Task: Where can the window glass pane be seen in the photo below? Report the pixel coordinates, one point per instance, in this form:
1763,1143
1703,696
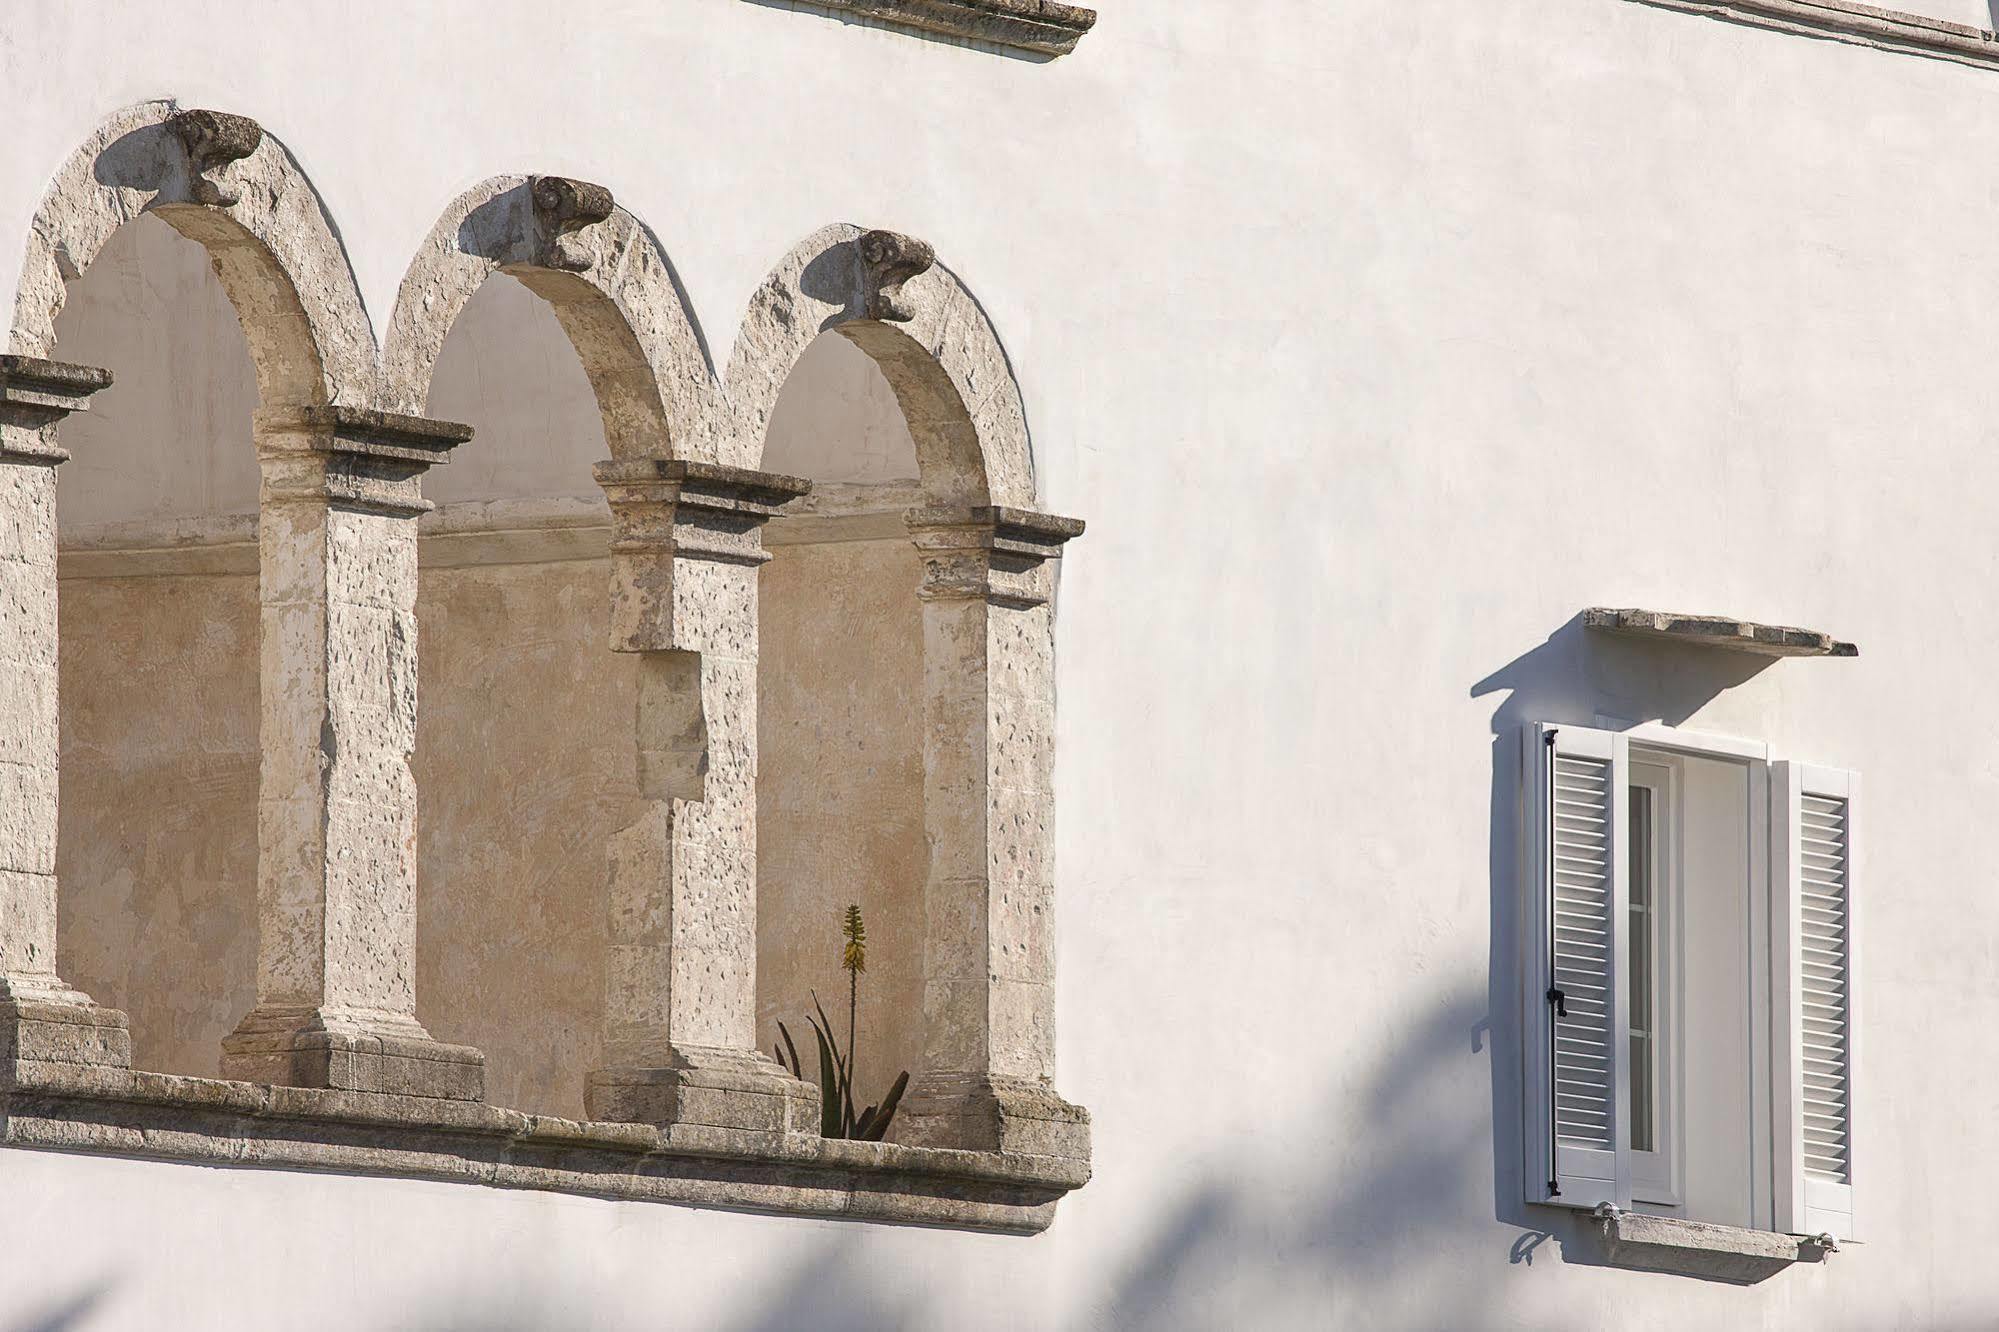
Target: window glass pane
1642,896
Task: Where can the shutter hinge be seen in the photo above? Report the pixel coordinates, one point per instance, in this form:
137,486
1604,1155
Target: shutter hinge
1560,999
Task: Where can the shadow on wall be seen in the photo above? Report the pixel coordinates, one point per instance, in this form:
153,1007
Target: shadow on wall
68,1314
1391,1231
1394,1229
1584,679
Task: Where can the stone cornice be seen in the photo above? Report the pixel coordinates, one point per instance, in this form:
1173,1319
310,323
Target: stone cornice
699,485
1040,27
991,551
35,394
365,432
1857,24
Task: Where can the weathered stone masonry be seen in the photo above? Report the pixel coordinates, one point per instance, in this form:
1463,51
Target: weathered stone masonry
341,443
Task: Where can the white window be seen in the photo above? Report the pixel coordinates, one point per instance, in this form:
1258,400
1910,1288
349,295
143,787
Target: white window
1689,987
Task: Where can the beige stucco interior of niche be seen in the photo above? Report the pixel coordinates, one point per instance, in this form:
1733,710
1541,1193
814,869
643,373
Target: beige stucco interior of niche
523,759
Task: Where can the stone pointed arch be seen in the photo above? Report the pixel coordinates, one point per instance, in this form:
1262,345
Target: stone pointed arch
936,347
265,228
605,276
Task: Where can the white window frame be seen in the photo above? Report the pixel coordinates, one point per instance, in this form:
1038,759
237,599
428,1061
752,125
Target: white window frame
1784,1200
1656,1178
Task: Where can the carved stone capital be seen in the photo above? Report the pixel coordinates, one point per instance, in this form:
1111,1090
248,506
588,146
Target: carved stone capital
665,511
561,207
889,259
213,139
353,456
697,509
990,551
35,394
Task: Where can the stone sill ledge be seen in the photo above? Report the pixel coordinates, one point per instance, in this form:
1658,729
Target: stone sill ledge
1855,24
1699,1249
120,1112
1037,27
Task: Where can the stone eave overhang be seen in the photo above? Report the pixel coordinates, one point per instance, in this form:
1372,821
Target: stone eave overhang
1036,27
1856,24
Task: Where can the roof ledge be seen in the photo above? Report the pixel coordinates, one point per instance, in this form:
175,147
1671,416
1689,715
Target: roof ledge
1698,1249
1039,27
1716,631
1856,24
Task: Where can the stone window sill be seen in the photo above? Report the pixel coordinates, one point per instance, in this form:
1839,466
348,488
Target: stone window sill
1856,24
1695,1248
1043,28
82,1108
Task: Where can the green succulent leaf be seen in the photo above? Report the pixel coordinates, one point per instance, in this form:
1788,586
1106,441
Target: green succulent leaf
797,1069
878,1120
829,1089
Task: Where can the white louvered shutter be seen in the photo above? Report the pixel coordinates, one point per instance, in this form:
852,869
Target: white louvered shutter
1574,1002
1815,936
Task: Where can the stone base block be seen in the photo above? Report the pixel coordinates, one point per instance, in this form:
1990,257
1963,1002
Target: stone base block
290,1049
984,1114
69,1030
731,1089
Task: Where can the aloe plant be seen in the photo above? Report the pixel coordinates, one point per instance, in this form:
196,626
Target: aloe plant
836,1067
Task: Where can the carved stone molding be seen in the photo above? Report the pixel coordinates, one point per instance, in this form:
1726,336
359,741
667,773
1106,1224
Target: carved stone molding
36,394
994,552
355,456
213,139
891,259
1039,27
1856,24
563,206
694,509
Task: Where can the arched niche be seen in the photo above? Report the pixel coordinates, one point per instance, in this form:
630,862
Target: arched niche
524,750
840,715
981,632
548,318
188,254
157,523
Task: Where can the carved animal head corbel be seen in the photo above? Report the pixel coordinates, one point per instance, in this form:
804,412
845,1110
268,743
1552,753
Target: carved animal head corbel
889,259
213,139
563,206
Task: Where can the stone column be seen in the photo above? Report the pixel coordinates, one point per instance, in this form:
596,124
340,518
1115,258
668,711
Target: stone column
680,1003
987,1083
336,805
42,1020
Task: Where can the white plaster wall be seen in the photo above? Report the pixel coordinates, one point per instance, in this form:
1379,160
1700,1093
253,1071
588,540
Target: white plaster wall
1375,340
837,419
508,371
170,439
